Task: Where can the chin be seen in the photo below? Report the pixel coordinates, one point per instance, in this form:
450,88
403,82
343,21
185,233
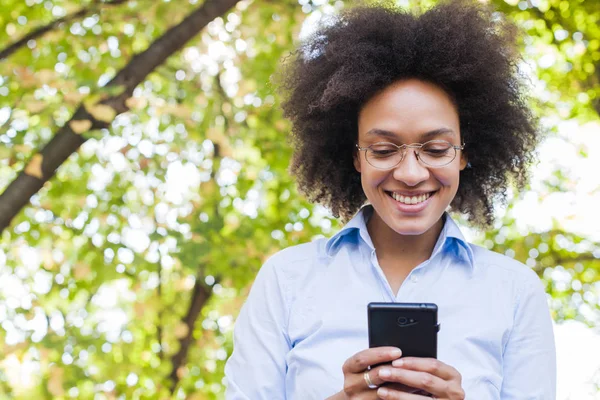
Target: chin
412,229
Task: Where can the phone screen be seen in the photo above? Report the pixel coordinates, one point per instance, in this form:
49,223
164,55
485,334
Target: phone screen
412,327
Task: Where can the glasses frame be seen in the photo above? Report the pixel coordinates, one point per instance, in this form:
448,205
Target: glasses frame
417,147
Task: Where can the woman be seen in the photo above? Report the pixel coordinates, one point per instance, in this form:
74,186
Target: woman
412,115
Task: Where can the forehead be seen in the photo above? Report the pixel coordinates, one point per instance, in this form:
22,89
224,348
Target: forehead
409,109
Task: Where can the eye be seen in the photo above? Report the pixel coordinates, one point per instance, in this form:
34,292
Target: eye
382,150
436,149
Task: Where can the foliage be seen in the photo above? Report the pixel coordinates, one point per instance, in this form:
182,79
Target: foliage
188,193
563,47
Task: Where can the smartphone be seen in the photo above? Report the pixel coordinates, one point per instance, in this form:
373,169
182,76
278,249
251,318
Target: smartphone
412,327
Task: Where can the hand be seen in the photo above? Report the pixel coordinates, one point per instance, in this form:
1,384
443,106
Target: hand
432,376
354,369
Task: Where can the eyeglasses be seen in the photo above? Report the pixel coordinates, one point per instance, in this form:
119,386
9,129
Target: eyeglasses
434,154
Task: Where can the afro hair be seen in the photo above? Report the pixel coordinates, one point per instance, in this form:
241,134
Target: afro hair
461,46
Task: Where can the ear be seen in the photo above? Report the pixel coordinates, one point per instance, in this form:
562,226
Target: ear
463,160
356,160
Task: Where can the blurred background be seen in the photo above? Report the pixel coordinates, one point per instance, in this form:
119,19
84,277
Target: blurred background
121,275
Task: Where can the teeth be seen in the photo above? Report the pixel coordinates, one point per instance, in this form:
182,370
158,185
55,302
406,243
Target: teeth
411,199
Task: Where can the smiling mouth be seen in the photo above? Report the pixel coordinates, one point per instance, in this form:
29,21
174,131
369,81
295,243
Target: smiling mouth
410,200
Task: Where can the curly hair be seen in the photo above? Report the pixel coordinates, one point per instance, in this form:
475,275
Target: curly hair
461,46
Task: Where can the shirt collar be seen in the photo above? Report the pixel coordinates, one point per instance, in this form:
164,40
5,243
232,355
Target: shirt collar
451,232
358,224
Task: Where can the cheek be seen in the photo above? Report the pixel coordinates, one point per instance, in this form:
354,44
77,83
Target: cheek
448,178
372,178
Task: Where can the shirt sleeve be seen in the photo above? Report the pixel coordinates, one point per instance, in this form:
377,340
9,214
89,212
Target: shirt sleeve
257,367
530,353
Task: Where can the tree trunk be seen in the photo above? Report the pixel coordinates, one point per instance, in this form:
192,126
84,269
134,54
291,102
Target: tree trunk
66,141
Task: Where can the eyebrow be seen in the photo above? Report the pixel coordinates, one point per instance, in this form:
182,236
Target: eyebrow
423,136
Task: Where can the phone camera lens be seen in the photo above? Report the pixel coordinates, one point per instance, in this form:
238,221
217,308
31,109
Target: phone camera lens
402,320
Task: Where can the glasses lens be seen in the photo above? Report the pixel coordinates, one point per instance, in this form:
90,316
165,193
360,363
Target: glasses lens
437,153
384,155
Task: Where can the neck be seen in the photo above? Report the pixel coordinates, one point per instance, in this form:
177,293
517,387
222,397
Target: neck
414,249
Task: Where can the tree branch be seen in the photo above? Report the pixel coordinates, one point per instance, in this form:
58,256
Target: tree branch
142,64
581,258
200,295
7,51
66,141
159,328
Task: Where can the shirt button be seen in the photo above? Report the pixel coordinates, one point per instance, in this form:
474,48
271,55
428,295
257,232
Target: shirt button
414,279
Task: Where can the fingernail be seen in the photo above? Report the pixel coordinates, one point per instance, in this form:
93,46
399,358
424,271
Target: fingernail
382,392
385,373
396,353
397,363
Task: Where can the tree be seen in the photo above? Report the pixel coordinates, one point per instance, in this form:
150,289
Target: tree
106,223
125,272
97,114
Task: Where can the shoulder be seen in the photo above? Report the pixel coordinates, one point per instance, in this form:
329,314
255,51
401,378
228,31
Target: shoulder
505,268
490,259
295,264
300,253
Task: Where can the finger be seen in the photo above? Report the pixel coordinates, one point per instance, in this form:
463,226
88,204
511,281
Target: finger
359,382
375,379
376,355
404,388
385,393
415,379
429,365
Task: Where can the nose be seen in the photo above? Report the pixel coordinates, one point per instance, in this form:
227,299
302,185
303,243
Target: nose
410,170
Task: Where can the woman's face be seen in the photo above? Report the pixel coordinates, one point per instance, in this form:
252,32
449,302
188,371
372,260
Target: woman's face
406,112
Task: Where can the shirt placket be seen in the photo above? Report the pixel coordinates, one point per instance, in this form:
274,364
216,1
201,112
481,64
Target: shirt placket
412,284
408,287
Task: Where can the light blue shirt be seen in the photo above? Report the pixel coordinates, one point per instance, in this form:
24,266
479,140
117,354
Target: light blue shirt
307,313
